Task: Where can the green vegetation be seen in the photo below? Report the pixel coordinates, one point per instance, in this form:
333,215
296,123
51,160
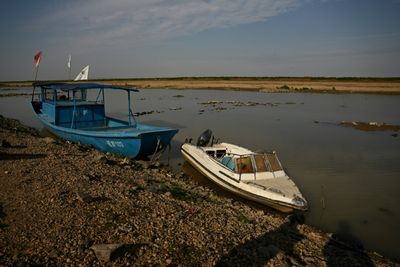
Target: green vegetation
243,219
285,87
176,192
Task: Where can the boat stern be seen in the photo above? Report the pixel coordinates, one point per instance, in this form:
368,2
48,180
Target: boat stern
155,141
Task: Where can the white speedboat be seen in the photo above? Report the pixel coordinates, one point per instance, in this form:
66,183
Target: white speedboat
255,176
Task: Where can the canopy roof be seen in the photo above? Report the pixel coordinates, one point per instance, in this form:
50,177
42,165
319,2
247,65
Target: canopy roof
81,86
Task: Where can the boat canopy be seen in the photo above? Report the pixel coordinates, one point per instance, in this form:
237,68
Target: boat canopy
81,86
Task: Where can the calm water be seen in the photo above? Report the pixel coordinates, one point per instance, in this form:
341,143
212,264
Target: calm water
355,174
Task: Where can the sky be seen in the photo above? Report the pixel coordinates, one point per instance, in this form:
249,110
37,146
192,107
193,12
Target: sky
175,38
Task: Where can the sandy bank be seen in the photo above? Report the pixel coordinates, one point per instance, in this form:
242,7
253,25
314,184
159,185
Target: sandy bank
333,85
289,85
59,200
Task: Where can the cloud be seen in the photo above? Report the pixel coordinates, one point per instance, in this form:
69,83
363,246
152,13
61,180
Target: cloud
154,19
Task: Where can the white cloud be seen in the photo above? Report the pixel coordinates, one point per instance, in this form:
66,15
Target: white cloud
154,19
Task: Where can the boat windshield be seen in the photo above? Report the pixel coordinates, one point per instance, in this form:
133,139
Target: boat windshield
250,163
273,162
244,165
260,163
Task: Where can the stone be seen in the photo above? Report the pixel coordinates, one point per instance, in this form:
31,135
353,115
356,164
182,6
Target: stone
84,197
126,161
49,140
5,144
104,252
100,158
85,245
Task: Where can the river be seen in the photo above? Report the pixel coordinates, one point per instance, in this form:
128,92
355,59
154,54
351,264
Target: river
350,178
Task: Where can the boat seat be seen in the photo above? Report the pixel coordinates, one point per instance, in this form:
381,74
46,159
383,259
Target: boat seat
228,162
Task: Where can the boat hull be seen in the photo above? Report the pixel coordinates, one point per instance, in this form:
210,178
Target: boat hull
219,177
130,143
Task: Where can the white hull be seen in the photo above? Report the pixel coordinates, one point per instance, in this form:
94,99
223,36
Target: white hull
271,188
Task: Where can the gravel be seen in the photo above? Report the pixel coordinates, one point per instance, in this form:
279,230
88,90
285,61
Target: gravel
59,202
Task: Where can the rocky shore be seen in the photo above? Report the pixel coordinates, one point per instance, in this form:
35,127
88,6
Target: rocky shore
64,204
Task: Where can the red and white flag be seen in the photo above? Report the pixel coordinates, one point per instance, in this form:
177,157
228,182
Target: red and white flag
37,58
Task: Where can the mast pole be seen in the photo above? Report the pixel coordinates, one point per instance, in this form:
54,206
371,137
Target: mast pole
34,83
129,107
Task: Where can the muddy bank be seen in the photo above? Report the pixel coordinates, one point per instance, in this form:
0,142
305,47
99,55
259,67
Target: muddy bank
61,202
370,126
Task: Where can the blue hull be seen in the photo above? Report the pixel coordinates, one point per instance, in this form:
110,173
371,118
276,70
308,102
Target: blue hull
141,141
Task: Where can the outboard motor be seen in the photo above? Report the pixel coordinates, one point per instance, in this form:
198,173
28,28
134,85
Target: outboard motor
204,138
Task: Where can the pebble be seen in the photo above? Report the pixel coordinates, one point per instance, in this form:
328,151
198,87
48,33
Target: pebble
104,252
147,217
49,140
4,143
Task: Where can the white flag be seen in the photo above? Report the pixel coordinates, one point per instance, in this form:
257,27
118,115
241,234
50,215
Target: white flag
83,75
69,62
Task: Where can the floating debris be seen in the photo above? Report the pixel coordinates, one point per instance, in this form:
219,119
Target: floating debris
236,103
211,102
175,108
143,113
136,114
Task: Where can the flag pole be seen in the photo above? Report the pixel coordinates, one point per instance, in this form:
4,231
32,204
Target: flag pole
37,59
36,72
69,66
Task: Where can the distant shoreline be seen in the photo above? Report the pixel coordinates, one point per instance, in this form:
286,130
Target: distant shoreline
263,84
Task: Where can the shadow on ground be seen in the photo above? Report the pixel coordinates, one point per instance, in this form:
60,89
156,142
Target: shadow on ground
344,249
259,251
278,247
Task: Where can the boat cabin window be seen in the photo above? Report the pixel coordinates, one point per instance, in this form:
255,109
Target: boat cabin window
260,163
210,153
62,96
80,95
244,165
49,95
216,153
220,153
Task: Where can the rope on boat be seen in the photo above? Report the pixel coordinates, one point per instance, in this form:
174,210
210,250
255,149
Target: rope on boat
155,151
156,156
169,152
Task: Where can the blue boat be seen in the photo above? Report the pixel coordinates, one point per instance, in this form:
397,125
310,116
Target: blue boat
65,110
